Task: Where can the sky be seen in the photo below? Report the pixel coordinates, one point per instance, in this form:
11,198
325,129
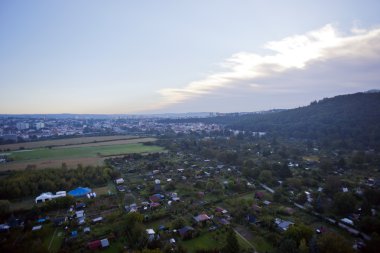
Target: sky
124,57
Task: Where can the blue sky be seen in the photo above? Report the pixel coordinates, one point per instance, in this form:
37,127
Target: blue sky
183,56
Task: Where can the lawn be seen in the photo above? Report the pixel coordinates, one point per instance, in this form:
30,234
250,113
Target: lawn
261,245
205,241
76,152
105,190
57,241
65,142
210,240
26,204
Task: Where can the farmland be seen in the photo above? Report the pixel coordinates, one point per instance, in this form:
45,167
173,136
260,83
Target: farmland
68,142
85,151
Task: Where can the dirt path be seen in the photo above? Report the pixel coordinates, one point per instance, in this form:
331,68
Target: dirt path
246,235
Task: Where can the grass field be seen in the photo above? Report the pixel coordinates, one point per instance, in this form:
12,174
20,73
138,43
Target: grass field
86,154
109,143
210,241
86,151
66,142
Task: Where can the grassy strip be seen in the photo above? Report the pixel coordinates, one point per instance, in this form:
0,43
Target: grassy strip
77,152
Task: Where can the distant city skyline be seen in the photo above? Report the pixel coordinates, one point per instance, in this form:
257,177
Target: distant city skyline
147,57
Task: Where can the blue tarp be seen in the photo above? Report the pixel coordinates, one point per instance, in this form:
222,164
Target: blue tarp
41,220
79,192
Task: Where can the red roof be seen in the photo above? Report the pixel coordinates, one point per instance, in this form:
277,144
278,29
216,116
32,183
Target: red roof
94,245
154,204
154,198
259,195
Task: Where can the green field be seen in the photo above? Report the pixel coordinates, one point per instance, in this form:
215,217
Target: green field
209,241
88,154
78,152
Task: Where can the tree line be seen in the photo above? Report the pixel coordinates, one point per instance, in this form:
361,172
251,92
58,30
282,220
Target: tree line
347,121
20,184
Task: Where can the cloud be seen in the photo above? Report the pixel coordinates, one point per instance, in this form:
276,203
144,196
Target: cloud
290,64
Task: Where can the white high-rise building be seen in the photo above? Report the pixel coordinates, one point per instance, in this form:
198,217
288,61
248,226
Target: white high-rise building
22,125
40,125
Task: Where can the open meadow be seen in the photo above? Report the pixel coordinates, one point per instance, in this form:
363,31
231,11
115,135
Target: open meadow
67,142
70,152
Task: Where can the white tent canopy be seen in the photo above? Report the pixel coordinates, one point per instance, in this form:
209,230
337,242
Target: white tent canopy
49,196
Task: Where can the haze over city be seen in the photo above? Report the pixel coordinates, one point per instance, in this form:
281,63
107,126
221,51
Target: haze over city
188,56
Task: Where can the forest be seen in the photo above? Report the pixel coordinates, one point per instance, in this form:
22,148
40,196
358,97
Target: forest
346,121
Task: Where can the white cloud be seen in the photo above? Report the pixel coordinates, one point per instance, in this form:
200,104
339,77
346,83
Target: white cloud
290,62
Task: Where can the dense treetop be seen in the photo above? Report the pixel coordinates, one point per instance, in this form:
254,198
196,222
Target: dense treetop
351,121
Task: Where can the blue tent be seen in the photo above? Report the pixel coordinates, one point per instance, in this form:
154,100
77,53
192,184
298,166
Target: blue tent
80,192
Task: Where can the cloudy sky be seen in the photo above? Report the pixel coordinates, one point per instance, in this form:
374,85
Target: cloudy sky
79,56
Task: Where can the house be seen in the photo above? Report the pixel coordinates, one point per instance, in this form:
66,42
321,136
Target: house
221,210
251,219
283,225
174,197
94,245
259,195
121,188
81,221
154,204
35,228
156,198
151,234
186,232
119,181
131,208
97,220
224,221
4,228
347,221
266,202
104,243
79,214
201,218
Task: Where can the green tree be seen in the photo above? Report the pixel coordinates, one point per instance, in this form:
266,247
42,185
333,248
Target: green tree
298,233
266,176
344,203
333,184
333,243
303,248
232,244
287,246
133,218
178,223
4,206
